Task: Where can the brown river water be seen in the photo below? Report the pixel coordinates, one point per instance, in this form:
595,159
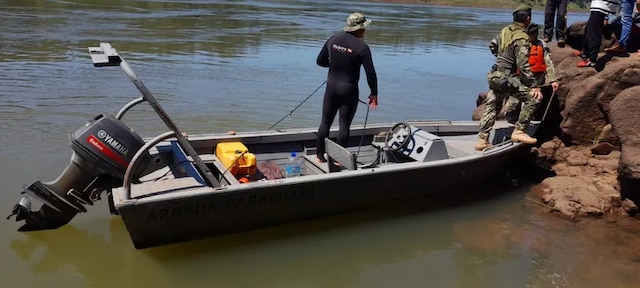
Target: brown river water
242,65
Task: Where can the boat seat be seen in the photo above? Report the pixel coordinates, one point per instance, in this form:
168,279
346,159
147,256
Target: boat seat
428,147
337,153
182,185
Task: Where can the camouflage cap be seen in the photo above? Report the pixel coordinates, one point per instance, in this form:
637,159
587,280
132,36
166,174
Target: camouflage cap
356,21
522,8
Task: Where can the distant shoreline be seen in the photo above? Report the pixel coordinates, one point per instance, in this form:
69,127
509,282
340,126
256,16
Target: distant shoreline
497,4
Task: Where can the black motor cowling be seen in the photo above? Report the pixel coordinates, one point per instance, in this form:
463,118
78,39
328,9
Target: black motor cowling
108,144
102,151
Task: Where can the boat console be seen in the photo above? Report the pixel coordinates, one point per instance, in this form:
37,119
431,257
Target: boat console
418,144
404,142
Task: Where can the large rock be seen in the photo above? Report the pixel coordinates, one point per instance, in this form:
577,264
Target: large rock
588,96
599,107
585,184
595,155
575,34
570,76
624,114
559,54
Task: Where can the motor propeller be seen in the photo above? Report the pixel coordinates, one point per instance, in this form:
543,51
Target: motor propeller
22,209
45,218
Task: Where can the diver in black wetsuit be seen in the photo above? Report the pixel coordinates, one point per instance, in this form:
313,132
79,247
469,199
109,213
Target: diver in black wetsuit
344,53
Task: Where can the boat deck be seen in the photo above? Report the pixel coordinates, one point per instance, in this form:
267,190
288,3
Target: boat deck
166,181
177,179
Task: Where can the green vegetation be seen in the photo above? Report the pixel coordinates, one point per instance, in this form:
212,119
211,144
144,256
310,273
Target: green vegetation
574,5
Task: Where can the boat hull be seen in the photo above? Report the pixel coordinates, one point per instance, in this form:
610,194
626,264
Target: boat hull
180,218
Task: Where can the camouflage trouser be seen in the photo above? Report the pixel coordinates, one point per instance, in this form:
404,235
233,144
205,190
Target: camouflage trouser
510,93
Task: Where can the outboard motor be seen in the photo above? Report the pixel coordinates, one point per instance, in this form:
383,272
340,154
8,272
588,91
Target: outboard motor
102,151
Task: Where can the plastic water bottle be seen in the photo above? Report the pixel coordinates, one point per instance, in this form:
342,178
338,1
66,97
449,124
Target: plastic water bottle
293,167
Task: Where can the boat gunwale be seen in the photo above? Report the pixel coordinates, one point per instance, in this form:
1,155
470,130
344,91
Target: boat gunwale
315,178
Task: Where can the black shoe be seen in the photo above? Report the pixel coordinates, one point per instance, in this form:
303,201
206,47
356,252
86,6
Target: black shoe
546,39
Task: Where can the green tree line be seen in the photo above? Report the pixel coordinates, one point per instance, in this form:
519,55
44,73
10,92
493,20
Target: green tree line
541,3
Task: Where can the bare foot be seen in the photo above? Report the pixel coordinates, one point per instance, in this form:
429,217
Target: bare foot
320,159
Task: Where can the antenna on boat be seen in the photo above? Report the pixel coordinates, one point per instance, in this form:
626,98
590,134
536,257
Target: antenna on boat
105,56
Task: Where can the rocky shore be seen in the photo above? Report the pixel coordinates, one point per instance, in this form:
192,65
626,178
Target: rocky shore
590,141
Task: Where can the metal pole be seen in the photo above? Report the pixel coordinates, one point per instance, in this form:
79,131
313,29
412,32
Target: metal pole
544,116
128,174
182,140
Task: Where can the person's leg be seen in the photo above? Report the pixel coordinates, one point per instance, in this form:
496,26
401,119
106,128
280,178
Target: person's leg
593,35
486,121
561,20
488,115
585,43
626,11
329,109
348,94
347,112
526,113
597,36
511,109
549,12
529,106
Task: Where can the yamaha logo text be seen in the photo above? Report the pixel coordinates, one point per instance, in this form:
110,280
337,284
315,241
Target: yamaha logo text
113,142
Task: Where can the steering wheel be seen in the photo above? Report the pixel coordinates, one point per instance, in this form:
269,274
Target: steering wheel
400,136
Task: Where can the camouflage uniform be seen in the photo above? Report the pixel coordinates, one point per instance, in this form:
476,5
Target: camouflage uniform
512,48
541,78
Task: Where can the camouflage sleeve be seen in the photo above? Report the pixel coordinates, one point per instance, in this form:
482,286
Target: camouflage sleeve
522,49
493,46
551,70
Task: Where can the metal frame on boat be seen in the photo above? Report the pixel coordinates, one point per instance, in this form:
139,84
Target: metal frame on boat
176,188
